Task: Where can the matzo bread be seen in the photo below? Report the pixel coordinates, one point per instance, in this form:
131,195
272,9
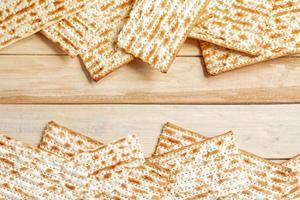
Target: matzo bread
109,165
121,150
268,180
282,38
157,29
219,60
173,137
235,24
204,170
22,18
92,34
30,173
145,181
65,142
293,163
293,192
284,33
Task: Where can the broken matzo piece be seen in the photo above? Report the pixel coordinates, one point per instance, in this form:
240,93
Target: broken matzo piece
157,29
293,192
282,38
65,142
208,169
268,180
92,34
236,24
22,18
30,173
145,181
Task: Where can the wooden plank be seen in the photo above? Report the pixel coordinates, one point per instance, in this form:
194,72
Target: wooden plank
271,131
60,79
39,45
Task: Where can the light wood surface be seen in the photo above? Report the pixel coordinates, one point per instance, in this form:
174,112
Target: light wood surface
60,79
34,71
260,129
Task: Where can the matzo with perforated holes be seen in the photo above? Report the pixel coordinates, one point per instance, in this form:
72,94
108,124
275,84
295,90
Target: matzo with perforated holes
157,29
284,33
268,180
235,24
173,137
30,173
219,60
145,181
22,18
117,170
282,38
108,166
65,142
92,34
293,192
204,170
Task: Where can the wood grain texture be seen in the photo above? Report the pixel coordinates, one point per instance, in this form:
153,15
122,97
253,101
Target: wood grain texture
60,79
270,131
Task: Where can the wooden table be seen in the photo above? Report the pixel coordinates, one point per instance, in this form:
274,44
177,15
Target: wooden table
39,83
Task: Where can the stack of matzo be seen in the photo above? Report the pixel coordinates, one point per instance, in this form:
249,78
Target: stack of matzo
107,34
185,165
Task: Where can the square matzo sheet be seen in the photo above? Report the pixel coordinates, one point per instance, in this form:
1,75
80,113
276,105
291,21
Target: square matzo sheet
157,29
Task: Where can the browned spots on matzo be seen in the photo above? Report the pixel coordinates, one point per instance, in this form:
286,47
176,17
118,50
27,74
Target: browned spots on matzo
100,23
189,138
96,68
8,162
68,23
107,6
278,180
280,173
54,12
134,181
15,172
148,178
158,19
54,148
255,188
250,10
277,188
125,5
70,187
